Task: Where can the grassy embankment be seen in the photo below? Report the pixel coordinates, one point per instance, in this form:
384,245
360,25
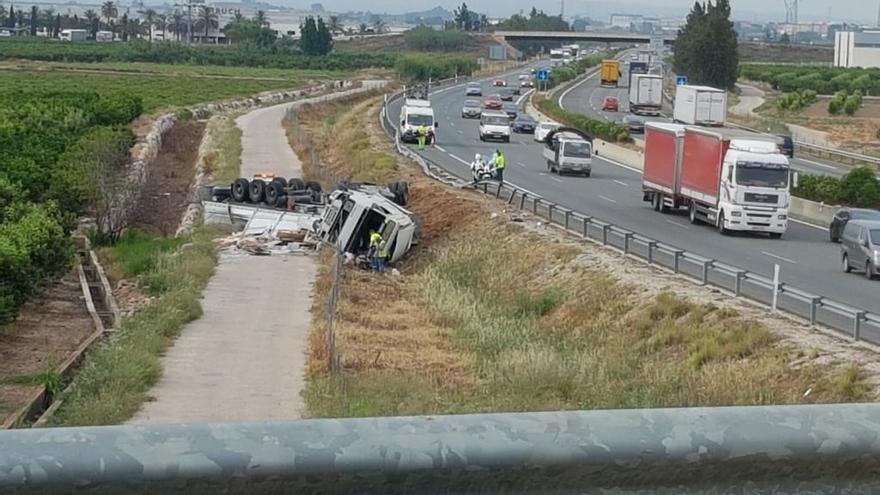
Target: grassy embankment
492,316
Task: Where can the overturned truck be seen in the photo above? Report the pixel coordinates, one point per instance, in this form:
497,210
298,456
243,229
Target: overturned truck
344,217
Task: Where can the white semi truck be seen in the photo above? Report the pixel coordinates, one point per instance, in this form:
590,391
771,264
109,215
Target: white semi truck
646,94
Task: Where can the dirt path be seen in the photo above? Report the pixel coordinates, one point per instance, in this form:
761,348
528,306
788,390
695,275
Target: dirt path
750,99
245,358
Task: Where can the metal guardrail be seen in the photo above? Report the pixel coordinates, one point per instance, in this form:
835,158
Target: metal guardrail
857,323
769,449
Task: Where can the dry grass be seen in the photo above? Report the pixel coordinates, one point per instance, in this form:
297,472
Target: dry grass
490,316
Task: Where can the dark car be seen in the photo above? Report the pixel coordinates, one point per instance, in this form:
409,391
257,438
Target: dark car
787,146
515,90
524,124
506,94
634,124
844,215
511,109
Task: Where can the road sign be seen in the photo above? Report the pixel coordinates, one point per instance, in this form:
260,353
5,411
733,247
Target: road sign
681,80
542,75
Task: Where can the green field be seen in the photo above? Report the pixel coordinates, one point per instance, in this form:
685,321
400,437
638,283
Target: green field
156,91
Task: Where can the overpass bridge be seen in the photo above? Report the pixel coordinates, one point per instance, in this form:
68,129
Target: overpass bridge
586,36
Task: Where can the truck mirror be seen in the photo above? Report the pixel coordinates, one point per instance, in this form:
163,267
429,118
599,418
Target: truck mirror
402,122
436,124
795,179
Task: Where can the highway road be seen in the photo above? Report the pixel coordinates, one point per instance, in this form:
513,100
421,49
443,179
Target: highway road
586,97
613,193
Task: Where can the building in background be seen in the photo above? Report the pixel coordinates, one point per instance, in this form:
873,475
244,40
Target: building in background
853,49
625,21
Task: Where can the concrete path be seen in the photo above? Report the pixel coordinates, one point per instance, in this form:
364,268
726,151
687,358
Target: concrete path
245,358
750,98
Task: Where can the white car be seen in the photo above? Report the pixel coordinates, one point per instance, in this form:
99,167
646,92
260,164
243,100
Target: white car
543,129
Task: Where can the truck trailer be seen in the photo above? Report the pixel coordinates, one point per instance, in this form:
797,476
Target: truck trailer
610,73
732,179
646,94
700,105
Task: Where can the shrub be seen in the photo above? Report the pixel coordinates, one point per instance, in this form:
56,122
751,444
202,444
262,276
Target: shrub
860,187
424,38
851,105
608,131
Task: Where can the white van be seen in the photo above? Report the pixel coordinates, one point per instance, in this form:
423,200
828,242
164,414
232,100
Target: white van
414,114
495,125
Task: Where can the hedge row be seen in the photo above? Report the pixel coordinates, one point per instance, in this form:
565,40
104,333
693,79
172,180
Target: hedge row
567,72
821,79
859,187
608,131
421,67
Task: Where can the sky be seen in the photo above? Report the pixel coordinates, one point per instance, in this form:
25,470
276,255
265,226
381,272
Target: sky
817,10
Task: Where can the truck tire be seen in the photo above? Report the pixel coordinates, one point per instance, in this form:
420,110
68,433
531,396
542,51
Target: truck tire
281,201
296,184
313,186
692,213
257,191
775,235
273,191
241,190
280,180
300,198
721,229
845,261
656,201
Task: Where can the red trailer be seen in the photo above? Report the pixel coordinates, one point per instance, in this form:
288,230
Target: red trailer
662,167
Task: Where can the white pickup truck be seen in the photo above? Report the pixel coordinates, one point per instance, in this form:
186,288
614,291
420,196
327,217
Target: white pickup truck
569,150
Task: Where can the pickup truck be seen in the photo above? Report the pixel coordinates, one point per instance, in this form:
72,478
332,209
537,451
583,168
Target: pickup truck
568,150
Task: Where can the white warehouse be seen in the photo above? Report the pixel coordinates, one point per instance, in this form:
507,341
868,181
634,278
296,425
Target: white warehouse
857,49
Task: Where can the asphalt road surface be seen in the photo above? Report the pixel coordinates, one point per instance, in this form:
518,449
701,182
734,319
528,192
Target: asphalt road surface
613,193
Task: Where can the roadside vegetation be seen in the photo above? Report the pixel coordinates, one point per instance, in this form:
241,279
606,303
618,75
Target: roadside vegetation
427,39
824,80
706,47
785,53
117,374
859,187
476,323
606,130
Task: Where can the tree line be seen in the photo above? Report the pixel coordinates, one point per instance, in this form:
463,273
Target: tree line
706,47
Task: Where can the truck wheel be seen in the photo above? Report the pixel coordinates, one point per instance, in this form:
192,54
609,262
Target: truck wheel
314,186
241,190
272,192
281,201
280,180
587,173
296,184
775,235
258,191
721,229
482,138
692,213
656,201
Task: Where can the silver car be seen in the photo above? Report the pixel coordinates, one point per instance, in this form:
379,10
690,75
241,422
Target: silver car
471,109
860,247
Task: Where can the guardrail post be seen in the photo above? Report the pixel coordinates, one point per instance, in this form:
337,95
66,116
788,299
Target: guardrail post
567,214
676,260
704,279
738,284
626,238
550,212
498,191
535,206
512,195
857,324
587,221
814,308
522,201
651,246
605,229
485,188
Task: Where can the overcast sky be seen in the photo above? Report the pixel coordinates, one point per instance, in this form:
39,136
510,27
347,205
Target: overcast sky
863,10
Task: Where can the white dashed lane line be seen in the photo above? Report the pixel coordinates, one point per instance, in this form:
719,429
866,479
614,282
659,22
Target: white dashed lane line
608,199
624,184
781,258
678,224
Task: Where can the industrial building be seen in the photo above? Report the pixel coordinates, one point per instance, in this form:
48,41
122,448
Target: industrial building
853,49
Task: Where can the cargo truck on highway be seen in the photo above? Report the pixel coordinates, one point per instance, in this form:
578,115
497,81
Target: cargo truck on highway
610,73
700,105
646,94
732,179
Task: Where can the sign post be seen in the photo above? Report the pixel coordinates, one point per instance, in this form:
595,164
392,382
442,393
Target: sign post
543,77
681,80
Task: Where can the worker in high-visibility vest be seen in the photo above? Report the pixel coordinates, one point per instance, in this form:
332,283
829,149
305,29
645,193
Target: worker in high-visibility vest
499,165
423,135
376,255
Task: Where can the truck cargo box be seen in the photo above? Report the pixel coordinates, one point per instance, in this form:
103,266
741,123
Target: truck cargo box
663,153
702,157
700,105
646,94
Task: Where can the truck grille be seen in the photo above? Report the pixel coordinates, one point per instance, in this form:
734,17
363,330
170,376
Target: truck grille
761,198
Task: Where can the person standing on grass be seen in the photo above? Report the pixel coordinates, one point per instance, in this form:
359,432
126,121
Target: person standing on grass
375,256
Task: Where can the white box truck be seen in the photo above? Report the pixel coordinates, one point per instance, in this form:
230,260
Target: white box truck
74,35
700,105
646,94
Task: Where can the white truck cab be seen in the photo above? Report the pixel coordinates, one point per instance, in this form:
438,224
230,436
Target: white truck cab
413,114
495,125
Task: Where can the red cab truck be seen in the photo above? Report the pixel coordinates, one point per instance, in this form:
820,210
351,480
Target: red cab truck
732,179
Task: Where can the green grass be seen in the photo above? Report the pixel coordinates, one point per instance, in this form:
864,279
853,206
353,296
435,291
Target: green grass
117,374
157,92
227,162
137,253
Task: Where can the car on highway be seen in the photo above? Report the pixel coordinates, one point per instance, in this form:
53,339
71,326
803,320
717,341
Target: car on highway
860,247
473,89
844,215
786,147
525,81
634,123
471,109
506,94
492,102
524,124
610,104
511,109
496,126
515,90
500,83
544,128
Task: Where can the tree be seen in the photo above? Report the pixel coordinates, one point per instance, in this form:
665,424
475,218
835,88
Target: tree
207,19
162,20
250,31
706,48
33,20
334,25
11,18
378,26
325,39
785,39
91,21
56,28
150,18
237,17
308,37
109,12
177,23
462,18
260,17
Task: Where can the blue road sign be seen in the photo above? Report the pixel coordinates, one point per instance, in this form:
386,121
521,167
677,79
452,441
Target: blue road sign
542,75
681,80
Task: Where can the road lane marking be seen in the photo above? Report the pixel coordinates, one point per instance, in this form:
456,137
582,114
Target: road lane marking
521,98
556,179
808,224
569,90
687,227
607,199
811,162
782,258
521,164
459,131
622,183
439,148
459,159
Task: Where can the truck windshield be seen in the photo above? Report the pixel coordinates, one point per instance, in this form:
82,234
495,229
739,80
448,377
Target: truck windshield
875,236
761,174
577,150
496,120
416,119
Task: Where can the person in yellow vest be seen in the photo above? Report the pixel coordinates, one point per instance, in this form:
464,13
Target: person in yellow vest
499,166
423,135
377,244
